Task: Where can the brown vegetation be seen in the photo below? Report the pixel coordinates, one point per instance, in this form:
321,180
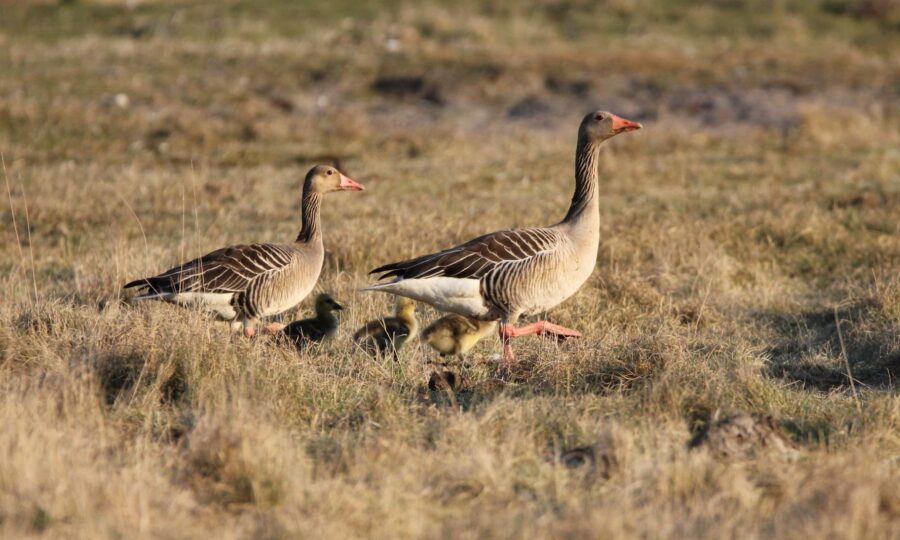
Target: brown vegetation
752,218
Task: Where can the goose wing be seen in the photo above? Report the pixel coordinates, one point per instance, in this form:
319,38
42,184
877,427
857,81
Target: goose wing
226,270
477,257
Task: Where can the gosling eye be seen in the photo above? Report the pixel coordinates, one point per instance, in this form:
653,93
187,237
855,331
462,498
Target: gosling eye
330,172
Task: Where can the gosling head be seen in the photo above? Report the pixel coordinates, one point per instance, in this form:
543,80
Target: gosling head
405,307
325,304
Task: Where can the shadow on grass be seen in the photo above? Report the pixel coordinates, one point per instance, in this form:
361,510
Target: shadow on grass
120,373
808,348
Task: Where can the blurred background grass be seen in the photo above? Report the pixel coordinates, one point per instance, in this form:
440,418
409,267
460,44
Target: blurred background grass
242,64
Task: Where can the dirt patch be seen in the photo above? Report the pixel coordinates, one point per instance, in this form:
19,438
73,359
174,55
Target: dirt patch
767,107
530,107
408,86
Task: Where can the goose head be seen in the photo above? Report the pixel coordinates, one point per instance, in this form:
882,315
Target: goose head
325,304
325,179
601,125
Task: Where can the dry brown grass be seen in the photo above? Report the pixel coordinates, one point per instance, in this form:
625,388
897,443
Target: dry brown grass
755,213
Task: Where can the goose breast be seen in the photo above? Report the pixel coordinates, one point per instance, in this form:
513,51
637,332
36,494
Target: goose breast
275,292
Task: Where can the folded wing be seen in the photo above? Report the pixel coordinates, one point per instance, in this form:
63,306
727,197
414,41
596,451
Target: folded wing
477,257
226,270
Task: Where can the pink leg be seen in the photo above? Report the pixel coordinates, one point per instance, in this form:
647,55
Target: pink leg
274,328
249,327
507,332
540,328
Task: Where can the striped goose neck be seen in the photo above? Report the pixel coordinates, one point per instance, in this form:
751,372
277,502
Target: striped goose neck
586,158
310,230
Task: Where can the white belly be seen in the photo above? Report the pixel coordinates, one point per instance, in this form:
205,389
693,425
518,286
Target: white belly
453,295
217,303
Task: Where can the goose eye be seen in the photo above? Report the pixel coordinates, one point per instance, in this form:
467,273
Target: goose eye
599,117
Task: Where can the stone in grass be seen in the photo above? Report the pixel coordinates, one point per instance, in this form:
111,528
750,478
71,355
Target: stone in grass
596,459
446,380
744,435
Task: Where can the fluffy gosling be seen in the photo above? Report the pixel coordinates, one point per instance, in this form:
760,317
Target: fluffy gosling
389,334
317,329
455,334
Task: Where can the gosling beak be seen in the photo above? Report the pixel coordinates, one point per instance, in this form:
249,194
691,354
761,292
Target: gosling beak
337,307
347,184
621,125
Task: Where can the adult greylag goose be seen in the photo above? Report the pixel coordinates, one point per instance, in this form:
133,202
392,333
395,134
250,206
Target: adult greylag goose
507,274
456,335
316,329
246,282
389,333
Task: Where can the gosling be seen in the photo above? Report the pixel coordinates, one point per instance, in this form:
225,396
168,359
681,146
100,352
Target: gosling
456,335
389,334
317,329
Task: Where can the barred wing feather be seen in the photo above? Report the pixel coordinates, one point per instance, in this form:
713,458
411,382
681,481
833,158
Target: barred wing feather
226,270
476,258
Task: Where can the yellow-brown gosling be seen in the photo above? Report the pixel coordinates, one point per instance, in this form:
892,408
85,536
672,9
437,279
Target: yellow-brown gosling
389,334
456,335
316,329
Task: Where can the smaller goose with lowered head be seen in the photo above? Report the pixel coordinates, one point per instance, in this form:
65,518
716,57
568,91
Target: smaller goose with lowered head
244,283
507,274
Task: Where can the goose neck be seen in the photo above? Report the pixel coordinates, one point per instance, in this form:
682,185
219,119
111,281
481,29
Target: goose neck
586,179
309,208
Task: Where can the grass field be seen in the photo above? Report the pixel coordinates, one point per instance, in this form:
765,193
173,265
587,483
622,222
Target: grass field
749,262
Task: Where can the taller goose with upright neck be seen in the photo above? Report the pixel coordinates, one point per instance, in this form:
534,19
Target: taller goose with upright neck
243,283
507,274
